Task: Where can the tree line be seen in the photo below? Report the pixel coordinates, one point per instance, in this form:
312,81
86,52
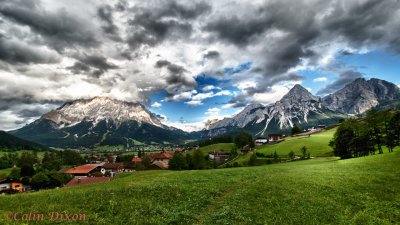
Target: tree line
362,137
29,169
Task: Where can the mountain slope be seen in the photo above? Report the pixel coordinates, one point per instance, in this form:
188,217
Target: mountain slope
99,121
297,106
9,142
362,95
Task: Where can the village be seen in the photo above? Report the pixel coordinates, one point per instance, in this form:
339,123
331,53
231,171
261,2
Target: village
103,166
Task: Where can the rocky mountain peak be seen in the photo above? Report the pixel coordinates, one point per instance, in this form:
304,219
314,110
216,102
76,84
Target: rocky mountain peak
361,95
98,109
298,93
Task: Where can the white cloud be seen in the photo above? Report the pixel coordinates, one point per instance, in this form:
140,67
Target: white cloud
275,94
156,105
194,103
197,99
320,79
188,127
182,96
210,87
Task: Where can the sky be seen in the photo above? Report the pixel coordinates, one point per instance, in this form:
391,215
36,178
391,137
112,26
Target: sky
188,61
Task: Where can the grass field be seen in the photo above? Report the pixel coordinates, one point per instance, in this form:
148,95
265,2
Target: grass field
39,154
317,191
4,173
317,144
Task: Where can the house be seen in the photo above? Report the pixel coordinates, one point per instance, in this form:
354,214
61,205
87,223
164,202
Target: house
245,150
161,157
130,167
274,137
86,180
10,186
136,160
159,165
218,156
261,141
87,170
113,168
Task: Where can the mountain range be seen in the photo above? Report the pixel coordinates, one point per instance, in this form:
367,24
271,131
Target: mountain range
301,107
103,121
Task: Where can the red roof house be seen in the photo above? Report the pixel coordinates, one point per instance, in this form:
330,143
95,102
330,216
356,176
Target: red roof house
84,170
86,180
164,156
136,160
159,165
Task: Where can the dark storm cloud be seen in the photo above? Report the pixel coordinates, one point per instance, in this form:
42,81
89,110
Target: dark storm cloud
240,100
86,63
211,55
236,30
13,51
177,79
105,13
59,29
344,78
366,23
162,63
121,5
152,26
78,67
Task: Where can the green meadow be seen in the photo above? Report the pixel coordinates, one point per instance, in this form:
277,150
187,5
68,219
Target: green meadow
317,191
221,147
317,144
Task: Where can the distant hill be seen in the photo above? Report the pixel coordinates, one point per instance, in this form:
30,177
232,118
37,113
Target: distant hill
9,142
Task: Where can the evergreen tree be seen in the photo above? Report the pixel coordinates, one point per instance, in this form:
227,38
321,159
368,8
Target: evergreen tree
178,162
40,180
253,160
295,129
303,151
198,160
146,162
243,139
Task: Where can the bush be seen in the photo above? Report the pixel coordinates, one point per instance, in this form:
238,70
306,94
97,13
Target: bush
40,180
291,155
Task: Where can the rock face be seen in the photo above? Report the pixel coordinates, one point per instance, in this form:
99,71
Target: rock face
99,121
297,106
361,95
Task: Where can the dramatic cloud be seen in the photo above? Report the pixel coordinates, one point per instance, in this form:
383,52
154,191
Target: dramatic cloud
344,78
59,28
170,19
14,51
186,52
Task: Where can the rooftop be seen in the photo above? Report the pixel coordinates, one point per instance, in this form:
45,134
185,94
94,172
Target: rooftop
87,180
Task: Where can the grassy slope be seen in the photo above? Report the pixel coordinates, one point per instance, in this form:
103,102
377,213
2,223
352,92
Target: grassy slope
317,144
225,147
319,191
